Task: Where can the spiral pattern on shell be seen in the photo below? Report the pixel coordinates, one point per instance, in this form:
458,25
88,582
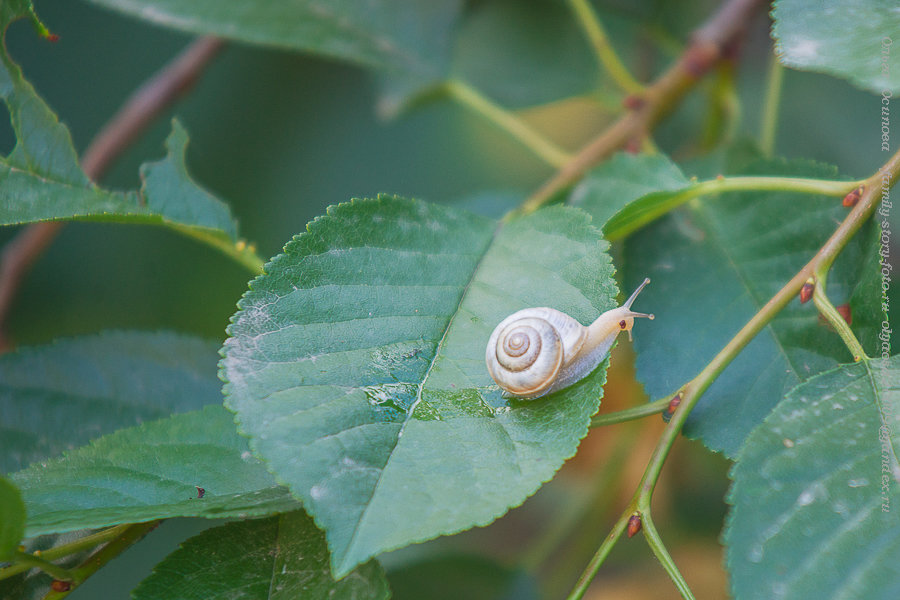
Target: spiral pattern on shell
525,354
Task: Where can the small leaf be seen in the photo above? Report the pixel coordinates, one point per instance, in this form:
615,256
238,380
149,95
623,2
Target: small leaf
41,179
101,383
152,472
279,558
356,366
817,489
716,263
170,192
847,38
12,519
628,191
168,196
43,145
10,10
411,36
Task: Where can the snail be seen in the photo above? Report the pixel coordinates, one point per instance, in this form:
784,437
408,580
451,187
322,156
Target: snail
536,351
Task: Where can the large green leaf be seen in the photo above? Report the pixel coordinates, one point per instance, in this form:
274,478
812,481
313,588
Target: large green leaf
102,383
817,490
847,38
714,265
281,558
356,366
411,36
12,518
152,472
629,190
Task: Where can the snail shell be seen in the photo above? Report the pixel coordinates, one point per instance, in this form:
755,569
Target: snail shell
537,351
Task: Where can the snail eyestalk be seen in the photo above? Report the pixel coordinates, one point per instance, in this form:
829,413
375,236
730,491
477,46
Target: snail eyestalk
628,315
634,294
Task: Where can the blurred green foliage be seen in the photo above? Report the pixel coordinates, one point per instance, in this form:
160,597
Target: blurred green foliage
280,136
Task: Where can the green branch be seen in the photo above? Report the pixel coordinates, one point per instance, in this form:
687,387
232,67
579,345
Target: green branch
63,550
630,414
127,536
769,120
834,318
692,391
724,114
616,229
574,517
36,561
662,555
597,561
240,251
508,122
606,55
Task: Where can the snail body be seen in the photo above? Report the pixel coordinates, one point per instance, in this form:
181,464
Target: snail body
537,351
